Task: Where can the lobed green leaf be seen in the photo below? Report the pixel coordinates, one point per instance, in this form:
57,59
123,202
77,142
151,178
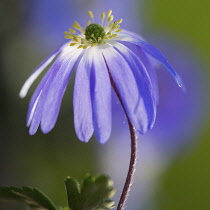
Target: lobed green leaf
32,197
94,193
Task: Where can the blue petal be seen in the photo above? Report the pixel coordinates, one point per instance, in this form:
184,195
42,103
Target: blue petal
159,56
36,96
143,80
37,102
154,52
38,99
101,97
38,71
56,91
151,70
83,121
127,87
149,65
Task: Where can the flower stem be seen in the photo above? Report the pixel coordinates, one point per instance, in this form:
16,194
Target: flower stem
131,169
133,156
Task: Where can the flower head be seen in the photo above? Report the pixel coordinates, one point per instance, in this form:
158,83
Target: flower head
104,57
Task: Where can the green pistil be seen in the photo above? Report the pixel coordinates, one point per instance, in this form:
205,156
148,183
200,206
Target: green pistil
95,33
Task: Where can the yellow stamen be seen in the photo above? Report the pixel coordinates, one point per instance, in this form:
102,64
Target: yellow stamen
81,46
119,21
73,44
76,39
68,37
109,13
66,32
114,35
119,30
110,18
116,27
77,24
89,22
103,15
90,14
72,30
111,24
76,27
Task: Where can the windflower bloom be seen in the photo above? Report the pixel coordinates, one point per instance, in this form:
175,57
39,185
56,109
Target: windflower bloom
104,57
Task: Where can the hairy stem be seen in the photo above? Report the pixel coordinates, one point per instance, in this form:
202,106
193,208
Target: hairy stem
131,169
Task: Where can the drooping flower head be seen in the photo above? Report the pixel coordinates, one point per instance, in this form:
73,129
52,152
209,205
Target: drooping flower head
104,57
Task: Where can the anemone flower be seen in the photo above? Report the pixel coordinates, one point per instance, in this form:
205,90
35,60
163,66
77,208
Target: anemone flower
104,57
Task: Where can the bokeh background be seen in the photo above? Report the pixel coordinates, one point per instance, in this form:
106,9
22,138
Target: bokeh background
173,170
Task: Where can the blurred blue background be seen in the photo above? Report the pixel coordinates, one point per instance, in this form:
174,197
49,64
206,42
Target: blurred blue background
173,170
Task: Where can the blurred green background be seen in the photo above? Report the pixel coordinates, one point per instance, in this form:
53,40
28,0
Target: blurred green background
186,184
45,160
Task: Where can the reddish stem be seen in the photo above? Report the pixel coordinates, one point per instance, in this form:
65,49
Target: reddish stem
131,169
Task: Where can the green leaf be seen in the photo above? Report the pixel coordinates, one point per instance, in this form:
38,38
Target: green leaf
32,197
73,192
94,193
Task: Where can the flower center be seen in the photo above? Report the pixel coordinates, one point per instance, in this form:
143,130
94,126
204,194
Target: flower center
93,34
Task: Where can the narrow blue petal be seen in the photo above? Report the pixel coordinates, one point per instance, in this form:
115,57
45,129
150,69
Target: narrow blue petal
149,65
38,99
159,56
101,97
38,71
56,91
154,52
83,121
152,73
35,98
127,87
143,80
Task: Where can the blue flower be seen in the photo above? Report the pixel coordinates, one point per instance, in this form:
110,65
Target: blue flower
104,57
